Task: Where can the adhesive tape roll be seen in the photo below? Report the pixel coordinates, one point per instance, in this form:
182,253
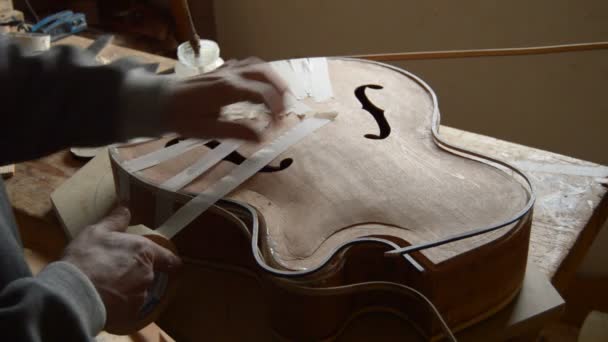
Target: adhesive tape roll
159,294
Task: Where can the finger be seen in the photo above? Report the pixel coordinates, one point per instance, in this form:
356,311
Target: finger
117,221
248,62
280,86
227,64
234,130
269,96
236,89
141,278
212,75
264,73
163,259
199,80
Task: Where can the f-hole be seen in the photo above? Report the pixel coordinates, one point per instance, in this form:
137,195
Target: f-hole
377,113
174,141
237,159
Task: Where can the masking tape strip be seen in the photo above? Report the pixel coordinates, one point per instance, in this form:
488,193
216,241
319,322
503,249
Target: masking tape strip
211,158
164,206
295,106
284,69
306,77
191,210
302,70
320,82
159,156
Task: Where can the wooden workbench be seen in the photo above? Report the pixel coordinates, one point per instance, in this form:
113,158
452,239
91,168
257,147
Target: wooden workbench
570,209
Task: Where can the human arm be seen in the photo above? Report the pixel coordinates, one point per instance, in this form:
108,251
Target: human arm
42,117
63,98
100,281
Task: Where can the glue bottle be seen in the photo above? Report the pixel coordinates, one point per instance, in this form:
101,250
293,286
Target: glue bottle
190,65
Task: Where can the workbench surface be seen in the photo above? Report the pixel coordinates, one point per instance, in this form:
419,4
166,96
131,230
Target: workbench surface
570,209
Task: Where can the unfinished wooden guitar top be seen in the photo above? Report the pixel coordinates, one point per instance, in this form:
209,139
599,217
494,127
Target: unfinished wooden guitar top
346,180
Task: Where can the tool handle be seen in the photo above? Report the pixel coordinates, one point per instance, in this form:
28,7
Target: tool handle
185,24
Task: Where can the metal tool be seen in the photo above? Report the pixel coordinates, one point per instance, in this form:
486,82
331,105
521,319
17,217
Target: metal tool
100,43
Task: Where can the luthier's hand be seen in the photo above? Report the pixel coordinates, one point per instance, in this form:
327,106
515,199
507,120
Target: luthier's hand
195,103
120,265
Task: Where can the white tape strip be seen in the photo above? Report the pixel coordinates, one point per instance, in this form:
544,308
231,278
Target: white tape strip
211,158
159,156
164,206
302,70
320,82
191,210
295,106
284,69
306,77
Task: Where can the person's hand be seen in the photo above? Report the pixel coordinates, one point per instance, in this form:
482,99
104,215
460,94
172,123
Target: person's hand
195,103
120,265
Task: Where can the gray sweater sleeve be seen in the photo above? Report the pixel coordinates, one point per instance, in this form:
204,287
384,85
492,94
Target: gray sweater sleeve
63,98
59,304
50,101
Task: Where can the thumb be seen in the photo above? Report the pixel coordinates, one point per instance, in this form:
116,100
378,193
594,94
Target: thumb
235,130
117,221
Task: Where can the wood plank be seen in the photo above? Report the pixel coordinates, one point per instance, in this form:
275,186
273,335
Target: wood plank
86,196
